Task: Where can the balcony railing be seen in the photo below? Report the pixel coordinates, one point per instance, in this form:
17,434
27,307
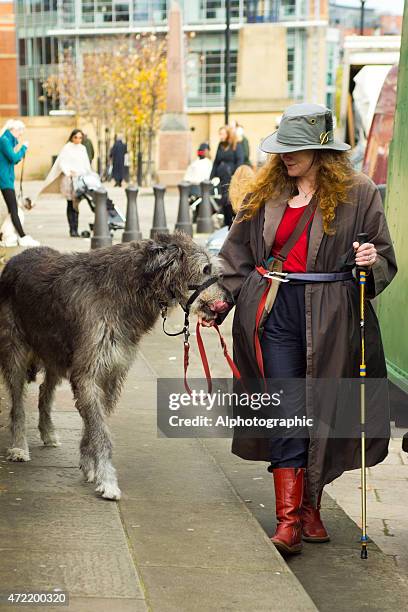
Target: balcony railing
145,13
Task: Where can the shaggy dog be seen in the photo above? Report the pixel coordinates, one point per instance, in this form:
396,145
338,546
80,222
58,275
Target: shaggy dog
81,316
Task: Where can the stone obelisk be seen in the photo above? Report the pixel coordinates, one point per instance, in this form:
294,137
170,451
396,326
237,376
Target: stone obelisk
174,134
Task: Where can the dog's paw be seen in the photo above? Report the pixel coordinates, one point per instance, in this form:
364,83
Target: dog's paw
89,474
109,491
51,439
87,466
18,454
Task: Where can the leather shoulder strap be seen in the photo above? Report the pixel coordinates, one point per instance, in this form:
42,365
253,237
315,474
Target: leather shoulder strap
297,232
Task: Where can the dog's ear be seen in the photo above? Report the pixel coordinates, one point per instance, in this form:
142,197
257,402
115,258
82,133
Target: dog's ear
159,257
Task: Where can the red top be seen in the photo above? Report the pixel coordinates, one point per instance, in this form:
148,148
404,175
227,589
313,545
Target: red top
296,261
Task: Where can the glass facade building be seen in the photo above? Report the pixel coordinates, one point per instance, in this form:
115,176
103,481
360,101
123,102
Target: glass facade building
46,27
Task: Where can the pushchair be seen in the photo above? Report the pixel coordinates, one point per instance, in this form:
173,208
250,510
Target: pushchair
84,188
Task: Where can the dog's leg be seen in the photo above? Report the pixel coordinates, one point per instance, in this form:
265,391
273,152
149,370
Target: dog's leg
14,361
18,450
96,445
87,461
46,397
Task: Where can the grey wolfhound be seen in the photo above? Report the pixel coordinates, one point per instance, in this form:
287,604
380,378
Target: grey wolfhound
81,316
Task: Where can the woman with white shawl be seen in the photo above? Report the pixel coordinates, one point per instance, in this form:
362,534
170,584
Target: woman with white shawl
72,161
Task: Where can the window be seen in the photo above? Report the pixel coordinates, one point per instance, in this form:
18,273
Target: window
215,9
88,7
205,72
103,11
288,8
150,10
121,11
38,51
261,10
23,97
36,6
48,53
22,52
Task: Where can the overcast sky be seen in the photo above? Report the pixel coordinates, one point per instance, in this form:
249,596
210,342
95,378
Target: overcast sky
390,6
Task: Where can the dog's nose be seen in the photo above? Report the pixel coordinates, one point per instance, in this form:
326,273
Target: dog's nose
219,306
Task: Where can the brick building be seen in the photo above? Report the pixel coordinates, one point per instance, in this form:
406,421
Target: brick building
9,105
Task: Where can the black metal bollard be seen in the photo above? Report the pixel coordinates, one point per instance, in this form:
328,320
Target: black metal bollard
205,224
183,218
101,235
383,191
132,228
159,218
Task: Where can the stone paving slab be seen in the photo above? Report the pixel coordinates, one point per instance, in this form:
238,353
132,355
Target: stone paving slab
56,533
175,589
330,572
89,604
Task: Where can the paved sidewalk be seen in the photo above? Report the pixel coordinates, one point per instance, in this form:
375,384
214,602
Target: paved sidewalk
185,528
180,539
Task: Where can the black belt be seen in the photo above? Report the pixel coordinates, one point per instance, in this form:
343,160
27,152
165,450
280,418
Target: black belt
319,277
310,277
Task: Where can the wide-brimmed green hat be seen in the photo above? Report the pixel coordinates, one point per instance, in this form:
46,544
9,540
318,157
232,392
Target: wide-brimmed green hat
303,126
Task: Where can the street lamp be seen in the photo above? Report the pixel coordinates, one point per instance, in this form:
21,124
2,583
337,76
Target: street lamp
362,17
227,59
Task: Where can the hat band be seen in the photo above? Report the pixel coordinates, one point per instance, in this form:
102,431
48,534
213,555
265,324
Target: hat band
325,138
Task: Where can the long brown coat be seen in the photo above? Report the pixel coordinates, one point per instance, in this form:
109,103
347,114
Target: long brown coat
332,317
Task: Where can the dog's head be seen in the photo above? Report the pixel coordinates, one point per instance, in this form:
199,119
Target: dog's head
177,266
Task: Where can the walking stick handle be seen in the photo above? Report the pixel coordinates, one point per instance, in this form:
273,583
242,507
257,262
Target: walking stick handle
362,238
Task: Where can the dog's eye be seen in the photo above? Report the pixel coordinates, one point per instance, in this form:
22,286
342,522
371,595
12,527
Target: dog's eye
207,269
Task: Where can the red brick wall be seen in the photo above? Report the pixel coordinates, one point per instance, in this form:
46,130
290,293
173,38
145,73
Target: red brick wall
8,61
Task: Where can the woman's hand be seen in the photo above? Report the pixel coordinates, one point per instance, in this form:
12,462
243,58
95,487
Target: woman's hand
366,254
205,322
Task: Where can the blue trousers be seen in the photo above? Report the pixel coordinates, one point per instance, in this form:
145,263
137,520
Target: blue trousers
283,346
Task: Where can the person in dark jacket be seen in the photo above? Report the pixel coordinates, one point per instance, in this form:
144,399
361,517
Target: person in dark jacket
9,138
308,329
117,155
87,142
229,157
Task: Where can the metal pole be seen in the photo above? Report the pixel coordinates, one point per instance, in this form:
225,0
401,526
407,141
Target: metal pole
227,59
362,17
139,158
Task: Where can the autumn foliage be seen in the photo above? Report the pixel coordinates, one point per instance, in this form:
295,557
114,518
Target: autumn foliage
119,86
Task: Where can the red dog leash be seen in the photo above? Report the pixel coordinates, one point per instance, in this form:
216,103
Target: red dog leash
204,360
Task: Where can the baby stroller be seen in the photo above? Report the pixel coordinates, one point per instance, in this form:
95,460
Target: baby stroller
85,186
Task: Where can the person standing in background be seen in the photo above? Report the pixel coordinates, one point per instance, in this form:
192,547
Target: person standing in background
117,155
9,138
228,158
241,138
200,169
87,142
72,161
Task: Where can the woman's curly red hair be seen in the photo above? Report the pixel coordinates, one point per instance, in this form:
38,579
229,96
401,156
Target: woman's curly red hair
335,176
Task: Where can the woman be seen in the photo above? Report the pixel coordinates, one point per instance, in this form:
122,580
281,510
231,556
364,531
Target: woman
228,158
10,135
311,328
72,161
117,155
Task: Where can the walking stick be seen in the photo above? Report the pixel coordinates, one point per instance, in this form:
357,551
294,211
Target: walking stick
362,274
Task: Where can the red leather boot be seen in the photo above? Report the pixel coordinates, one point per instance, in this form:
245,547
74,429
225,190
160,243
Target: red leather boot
288,494
312,527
